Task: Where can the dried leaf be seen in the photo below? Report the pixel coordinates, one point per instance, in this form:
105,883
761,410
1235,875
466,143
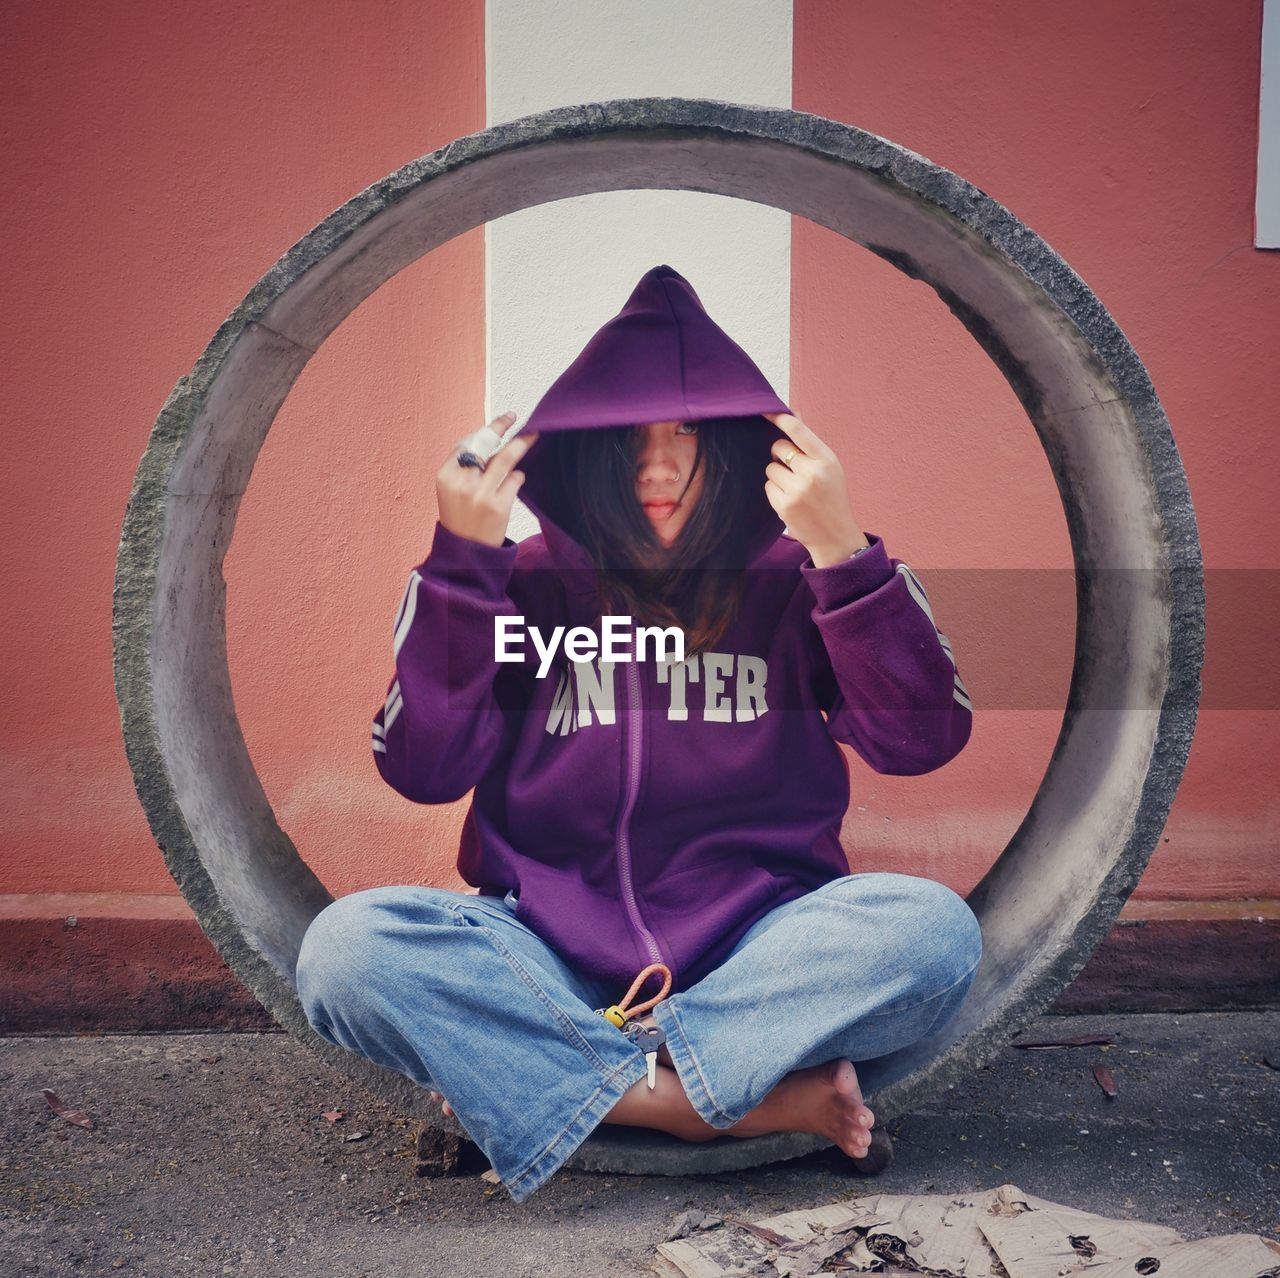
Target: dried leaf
759,1231
491,1176
65,1111
1080,1040
334,1114
1105,1081
688,1222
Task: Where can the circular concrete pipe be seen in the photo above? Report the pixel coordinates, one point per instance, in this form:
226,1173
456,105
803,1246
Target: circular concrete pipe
1056,888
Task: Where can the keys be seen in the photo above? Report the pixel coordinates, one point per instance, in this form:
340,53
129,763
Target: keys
648,1038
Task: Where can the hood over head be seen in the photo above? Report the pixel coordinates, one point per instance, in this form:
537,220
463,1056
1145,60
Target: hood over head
661,358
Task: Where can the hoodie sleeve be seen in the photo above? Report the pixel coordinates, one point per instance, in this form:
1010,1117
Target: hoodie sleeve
892,689
442,722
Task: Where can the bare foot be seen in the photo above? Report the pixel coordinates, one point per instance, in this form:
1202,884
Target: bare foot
444,1104
823,1099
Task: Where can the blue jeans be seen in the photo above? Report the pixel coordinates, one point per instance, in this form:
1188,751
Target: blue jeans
449,989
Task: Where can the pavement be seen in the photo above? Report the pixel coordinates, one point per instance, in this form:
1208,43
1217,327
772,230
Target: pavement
211,1155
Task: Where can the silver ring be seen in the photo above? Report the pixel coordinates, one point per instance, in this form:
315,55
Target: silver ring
468,458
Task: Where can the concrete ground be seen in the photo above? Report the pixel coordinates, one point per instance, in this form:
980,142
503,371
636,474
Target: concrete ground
211,1156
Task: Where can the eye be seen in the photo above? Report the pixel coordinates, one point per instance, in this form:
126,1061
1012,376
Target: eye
687,428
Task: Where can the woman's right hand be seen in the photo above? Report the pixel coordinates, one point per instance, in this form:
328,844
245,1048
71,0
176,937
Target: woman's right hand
477,503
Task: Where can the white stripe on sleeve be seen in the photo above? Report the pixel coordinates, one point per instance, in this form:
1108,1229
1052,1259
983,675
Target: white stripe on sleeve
960,692
393,706
404,614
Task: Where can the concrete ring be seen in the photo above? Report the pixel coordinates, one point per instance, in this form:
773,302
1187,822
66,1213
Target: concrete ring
1055,890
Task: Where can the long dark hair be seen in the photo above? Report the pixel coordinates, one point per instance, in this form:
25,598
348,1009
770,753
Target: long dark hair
697,582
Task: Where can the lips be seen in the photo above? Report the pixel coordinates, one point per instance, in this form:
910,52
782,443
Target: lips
659,507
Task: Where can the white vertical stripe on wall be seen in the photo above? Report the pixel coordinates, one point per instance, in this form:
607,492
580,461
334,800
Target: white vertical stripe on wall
1267,208
554,274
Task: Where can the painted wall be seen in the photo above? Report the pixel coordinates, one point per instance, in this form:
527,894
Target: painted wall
159,159
1139,171
159,162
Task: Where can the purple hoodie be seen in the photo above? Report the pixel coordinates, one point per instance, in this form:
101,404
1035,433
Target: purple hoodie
652,811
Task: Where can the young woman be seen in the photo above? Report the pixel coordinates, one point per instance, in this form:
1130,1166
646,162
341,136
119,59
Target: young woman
650,824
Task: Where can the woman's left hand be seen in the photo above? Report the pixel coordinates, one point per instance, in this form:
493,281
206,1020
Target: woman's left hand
806,486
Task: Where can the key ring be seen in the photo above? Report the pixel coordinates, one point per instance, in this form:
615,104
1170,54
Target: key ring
648,1038
619,1013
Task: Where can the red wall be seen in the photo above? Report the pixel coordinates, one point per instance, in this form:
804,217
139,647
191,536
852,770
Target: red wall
159,159
1126,136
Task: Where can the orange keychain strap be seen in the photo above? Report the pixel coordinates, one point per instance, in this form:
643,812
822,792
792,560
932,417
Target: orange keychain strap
620,1013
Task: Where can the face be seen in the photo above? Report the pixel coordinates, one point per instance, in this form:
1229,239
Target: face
668,449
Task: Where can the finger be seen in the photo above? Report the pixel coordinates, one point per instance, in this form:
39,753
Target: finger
482,442
511,484
499,425
487,439
799,434
786,452
780,475
501,464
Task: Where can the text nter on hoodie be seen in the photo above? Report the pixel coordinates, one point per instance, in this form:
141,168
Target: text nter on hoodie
653,811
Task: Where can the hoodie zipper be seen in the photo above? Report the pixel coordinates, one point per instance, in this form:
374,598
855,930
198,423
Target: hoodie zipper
624,831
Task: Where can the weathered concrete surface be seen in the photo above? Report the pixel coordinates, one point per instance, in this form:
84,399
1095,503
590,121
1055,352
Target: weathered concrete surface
1054,892
194,1168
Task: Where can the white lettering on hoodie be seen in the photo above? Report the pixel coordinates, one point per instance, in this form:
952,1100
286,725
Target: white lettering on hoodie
733,691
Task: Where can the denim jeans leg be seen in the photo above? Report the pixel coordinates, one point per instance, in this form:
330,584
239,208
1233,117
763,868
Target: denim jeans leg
859,967
450,989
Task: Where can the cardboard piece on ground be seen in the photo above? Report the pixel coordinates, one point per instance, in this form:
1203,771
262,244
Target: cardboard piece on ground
1227,1256
1035,1238
993,1233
